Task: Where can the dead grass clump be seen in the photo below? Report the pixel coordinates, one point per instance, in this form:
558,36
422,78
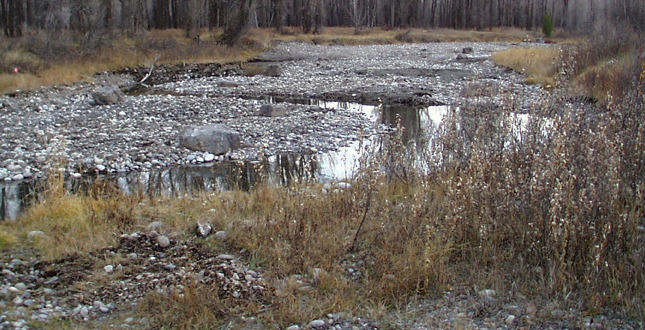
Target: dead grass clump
538,64
77,222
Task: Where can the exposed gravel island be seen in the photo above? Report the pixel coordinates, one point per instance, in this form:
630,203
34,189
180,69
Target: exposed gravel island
142,131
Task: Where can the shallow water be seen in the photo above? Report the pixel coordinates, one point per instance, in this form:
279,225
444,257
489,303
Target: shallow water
274,170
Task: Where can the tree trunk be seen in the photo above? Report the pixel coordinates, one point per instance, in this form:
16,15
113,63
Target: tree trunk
238,27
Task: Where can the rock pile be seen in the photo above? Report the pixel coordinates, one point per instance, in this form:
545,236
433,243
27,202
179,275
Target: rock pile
140,264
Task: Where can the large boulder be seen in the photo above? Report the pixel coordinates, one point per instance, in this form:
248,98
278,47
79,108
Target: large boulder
107,95
216,139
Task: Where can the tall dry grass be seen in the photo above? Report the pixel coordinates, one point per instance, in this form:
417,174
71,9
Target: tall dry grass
539,64
364,36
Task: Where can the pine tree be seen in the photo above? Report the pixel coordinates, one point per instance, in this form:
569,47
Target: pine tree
547,25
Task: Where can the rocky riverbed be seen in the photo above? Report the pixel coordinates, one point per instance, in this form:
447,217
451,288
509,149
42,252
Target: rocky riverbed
61,127
102,289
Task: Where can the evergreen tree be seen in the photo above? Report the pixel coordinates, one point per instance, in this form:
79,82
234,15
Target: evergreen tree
547,25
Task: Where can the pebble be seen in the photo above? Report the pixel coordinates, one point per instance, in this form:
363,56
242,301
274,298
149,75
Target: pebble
109,269
294,327
510,319
35,233
208,157
13,168
21,286
220,235
17,301
155,226
317,323
84,311
163,241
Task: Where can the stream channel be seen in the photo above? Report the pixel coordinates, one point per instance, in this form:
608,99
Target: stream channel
275,170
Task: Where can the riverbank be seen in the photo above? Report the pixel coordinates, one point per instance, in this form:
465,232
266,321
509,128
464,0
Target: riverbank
497,225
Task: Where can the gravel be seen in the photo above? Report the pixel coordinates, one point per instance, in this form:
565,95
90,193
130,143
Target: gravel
59,126
141,133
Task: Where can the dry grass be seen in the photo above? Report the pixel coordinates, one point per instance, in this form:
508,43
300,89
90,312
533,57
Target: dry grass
69,58
64,58
538,64
552,212
364,36
497,212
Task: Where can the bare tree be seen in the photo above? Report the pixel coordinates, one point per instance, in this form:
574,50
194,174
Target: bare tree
240,23
13,17
356,14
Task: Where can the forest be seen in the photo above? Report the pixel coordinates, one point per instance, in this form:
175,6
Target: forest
19,17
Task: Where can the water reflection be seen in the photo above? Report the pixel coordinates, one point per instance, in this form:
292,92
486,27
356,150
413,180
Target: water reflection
275,170
14,197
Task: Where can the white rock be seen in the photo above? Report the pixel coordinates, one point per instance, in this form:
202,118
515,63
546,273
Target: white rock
17,301
17,177
100,168
13,168
156,226
317,323
109,269
510,319
293,327
76,175
220,235
35,233
21,286
487,293
84,312
163,241
208,157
